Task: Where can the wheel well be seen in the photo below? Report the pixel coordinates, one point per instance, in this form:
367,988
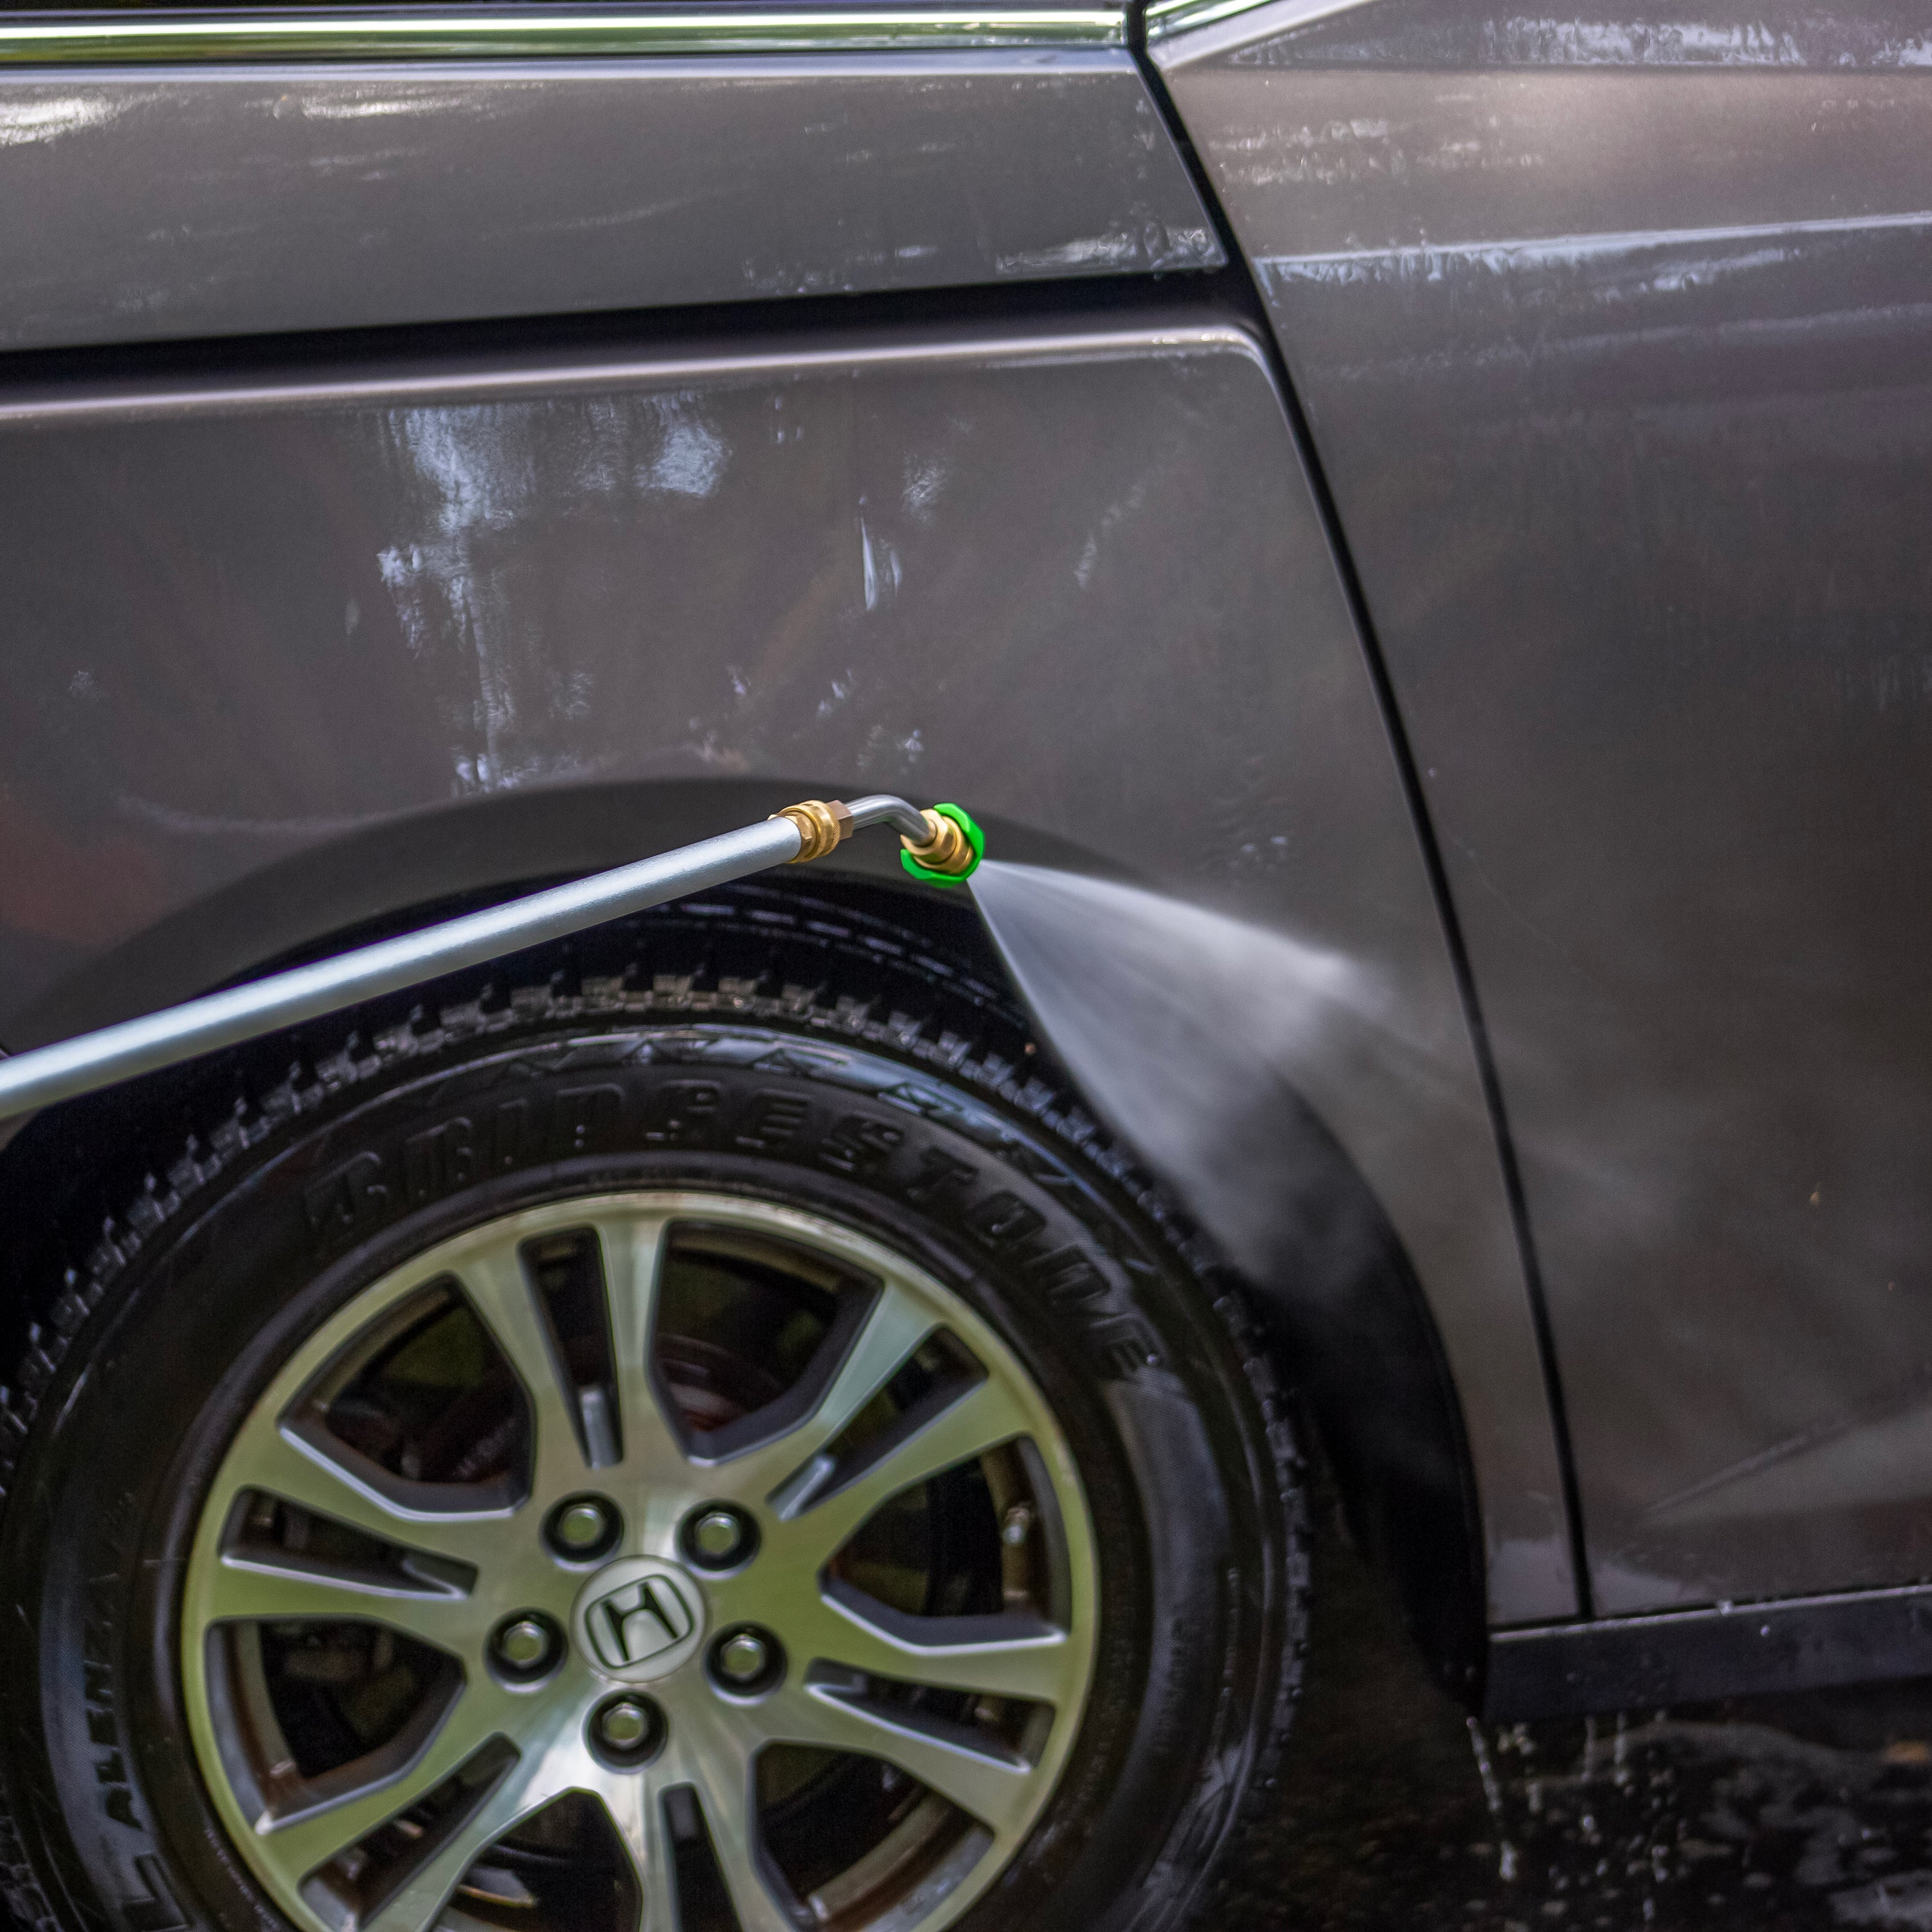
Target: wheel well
1346,1320
1356,1341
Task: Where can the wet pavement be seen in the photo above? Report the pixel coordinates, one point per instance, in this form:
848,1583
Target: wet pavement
1395,1810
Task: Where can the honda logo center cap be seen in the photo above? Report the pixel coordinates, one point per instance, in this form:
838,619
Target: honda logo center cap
637,1619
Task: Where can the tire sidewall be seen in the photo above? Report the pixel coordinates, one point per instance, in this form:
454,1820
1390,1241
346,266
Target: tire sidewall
1084,1286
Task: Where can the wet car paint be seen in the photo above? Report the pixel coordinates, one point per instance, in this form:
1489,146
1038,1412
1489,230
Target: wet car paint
450,626
1611,329
142,204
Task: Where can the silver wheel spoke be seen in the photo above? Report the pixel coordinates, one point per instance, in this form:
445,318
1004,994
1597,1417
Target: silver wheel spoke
983,1417
501,1293
312,1838
246,1586
415,1904
995,1785
894,1326
725,1793
633,1250
280,1464
1001,1656
636,1809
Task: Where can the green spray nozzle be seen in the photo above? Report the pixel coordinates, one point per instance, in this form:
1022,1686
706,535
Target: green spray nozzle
951,853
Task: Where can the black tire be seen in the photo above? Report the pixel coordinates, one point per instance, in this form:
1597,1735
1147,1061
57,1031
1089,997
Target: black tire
753,1044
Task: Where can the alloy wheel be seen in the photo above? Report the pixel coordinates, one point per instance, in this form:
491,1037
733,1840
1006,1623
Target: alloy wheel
655,1562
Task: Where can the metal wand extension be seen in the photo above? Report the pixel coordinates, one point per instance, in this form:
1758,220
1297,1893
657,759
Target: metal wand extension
942,847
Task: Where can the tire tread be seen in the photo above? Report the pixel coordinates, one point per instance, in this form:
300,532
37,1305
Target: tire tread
992,1057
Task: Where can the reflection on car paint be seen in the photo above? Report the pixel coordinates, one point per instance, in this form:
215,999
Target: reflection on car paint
261,197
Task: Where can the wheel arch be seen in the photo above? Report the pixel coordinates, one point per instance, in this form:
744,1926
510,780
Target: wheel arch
1347,1316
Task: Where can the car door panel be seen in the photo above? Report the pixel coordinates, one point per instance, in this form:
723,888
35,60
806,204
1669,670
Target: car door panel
1611,331
140,203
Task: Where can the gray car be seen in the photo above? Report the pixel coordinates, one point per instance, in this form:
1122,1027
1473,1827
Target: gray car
1408,524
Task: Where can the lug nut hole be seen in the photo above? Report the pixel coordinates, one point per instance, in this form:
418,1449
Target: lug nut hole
626,1732
582,1529
526,1648
718,1537
746,1661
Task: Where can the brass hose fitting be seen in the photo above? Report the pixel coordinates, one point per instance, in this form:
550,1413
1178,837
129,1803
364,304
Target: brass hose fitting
946,849
943,851
821,826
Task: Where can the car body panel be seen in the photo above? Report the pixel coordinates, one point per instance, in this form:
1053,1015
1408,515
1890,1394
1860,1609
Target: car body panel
289,656
1611,331
141,203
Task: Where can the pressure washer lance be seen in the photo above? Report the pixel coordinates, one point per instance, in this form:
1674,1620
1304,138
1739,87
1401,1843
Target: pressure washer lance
942,847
